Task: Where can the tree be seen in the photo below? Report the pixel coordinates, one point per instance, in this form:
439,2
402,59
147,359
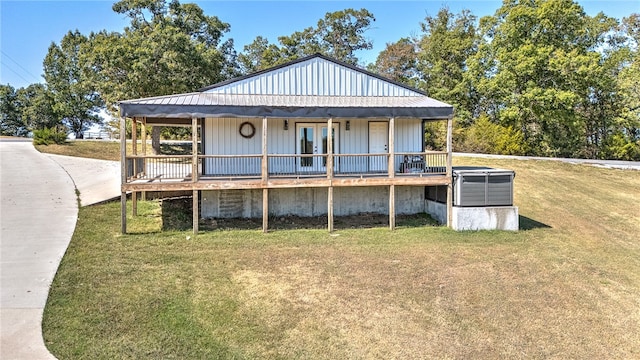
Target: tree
12,123
448,40
76,101
169,47
339,34
540,71
625,141
398,62
258,55
37,107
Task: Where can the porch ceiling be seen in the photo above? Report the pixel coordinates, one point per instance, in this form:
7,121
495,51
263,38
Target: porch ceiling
202,104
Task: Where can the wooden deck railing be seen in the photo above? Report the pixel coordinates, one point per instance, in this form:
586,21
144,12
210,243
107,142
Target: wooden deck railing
180,167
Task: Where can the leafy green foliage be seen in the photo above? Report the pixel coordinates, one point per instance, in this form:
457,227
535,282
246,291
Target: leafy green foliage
48,136
75,99
489,138
38,107
448,40
11,122
547,69
26,109
168,48
338,35
398,62
177,49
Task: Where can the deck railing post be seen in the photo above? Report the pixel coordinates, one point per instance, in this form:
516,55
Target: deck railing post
265,159
194,149
123,175
392,174
330,174
449,170
194,172
143,131
392,151
134,152
265,177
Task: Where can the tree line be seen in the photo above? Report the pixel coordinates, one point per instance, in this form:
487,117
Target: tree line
539,77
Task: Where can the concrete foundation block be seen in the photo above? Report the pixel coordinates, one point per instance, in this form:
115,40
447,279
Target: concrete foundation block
485,218
311,202
476,218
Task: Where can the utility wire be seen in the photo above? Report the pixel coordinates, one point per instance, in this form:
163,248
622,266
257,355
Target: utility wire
15,72
17,63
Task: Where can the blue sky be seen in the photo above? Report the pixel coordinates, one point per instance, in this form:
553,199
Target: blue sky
29,27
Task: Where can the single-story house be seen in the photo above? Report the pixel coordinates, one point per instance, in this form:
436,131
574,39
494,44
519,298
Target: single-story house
310,137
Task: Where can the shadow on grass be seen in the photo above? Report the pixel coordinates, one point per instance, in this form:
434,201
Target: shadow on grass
177,215
530,224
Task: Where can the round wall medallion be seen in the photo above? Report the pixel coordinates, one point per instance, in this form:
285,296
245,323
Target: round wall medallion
247,130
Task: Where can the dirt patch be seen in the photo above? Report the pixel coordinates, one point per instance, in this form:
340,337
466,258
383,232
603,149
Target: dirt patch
177,215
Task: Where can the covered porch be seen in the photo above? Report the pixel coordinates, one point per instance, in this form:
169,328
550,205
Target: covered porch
197,172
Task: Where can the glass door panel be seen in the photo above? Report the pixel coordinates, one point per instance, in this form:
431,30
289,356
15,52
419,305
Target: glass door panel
309,137
305,147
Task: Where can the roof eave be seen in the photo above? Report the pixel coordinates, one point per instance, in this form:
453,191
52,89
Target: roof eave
200,111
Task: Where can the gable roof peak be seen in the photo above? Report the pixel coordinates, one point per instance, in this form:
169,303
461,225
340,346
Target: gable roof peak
316,74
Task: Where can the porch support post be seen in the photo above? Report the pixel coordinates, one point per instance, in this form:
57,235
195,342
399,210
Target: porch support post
392,173
196,215
449,171
134,152
392,150
265,158
194,149
143,131
392,207
330,174
330,148
330,208
265,210
123,175
194,172
265,177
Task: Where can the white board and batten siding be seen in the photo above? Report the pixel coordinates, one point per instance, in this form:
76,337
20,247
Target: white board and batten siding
222,137
314,77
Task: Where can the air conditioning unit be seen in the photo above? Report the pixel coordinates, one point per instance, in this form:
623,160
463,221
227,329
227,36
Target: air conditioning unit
482,186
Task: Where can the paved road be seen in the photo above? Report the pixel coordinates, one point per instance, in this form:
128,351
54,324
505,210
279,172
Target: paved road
614,164
38,214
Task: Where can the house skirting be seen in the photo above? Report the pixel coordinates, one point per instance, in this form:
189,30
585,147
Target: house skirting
311,201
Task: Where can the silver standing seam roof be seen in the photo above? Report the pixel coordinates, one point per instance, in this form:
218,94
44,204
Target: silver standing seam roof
311,87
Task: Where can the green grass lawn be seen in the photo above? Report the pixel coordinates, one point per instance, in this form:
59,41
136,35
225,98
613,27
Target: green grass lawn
109,150
568,287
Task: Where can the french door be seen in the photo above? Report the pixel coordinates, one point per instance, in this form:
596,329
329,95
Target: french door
312,139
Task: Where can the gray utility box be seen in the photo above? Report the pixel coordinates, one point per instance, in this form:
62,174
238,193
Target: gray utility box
475,186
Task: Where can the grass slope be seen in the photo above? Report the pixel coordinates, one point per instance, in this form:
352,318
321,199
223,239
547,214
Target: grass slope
568,287
109,150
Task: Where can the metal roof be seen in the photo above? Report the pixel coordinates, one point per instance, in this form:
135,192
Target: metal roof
222,105
279,92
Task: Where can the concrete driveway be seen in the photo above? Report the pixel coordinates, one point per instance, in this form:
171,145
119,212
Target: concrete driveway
96,180
37,217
